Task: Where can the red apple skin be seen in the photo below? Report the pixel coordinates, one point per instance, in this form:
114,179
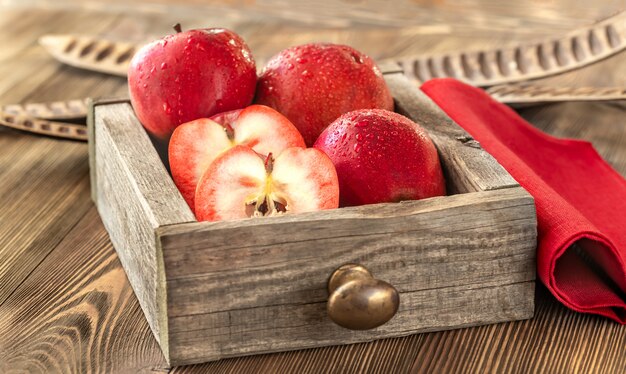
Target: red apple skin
190,75
314,84
381,156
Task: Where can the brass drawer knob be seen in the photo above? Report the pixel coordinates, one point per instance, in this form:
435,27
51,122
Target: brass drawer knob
358,301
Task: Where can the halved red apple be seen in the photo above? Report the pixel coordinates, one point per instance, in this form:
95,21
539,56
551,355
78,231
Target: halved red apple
241,184
194,145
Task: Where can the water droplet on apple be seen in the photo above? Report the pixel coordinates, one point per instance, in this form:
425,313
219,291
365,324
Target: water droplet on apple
152,70
180,112
167,109
362,124
145,85
301,60
164,66
219,103
177,79
343,137
305,73
359,137
290,66
357,147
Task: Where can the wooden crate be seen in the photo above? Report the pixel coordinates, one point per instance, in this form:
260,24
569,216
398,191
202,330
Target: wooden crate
211,290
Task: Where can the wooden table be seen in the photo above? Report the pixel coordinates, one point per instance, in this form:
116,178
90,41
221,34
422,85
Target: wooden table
65,302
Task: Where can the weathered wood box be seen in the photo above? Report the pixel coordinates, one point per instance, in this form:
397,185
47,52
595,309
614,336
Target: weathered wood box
223,289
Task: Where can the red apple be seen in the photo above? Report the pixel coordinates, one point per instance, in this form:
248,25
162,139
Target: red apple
381,156
194,145
190,75
241,184
313,84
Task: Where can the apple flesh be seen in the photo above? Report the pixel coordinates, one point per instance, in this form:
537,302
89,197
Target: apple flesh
190,75
242,184
196,144
314,84
381,156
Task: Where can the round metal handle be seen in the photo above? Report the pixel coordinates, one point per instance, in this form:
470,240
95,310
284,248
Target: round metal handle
358,301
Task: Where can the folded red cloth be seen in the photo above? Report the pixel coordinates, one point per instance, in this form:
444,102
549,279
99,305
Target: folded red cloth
580,199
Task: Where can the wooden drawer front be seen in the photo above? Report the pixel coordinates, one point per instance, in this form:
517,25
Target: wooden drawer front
261,287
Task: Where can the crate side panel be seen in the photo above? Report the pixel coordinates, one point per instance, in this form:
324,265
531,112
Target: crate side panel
160,197
468,167
91,144
133,199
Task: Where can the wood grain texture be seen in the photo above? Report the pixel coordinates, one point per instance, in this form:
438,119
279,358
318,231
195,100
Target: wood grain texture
31,228
457,261
135,195
556,340
76,313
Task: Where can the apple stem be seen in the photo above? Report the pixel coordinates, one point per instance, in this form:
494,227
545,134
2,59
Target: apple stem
269,163
230,132
178,28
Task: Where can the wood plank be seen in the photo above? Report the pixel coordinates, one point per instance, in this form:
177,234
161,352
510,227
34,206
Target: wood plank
77,313
42,193
467,167
44,181
134,187
452,259
185,244
41,76
289,327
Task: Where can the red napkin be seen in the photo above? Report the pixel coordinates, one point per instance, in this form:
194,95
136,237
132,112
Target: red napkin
580,199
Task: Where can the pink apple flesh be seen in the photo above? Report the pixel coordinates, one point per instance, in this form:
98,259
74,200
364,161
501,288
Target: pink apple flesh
194,145
241,184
